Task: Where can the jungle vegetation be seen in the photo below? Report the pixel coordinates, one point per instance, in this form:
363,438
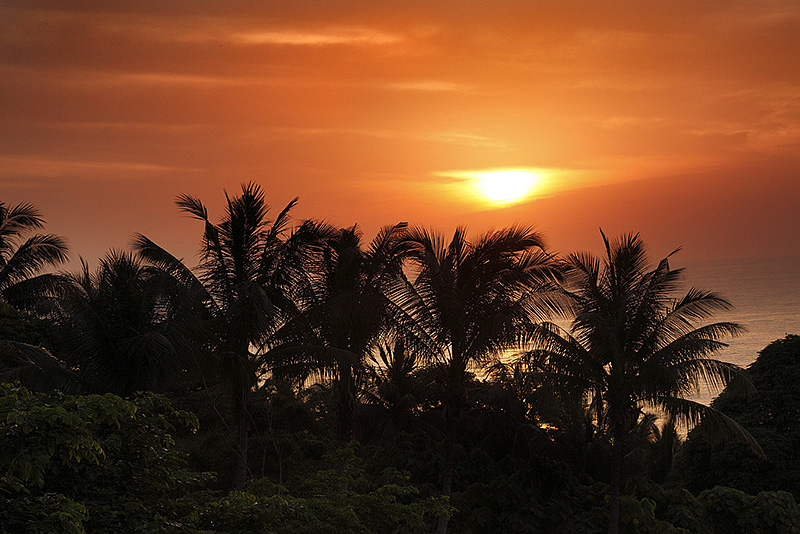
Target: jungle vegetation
301,378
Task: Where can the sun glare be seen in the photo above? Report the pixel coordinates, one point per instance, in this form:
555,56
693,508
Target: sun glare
499,187
505,186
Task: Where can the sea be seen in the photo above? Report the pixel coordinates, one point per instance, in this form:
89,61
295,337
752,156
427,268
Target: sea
765,294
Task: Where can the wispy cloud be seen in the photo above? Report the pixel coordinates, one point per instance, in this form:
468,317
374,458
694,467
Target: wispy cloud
147,127
334,36
759,15
38,25
626,121
618,83
308,131
167,78
48,167
428,86
466,139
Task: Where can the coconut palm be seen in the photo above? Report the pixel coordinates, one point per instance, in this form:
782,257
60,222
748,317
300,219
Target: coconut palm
126,326
474,301
632,344
345,314
395,389
514,400
37,369
23,260
250,269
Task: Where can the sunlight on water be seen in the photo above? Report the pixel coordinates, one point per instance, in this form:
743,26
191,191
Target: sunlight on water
765,294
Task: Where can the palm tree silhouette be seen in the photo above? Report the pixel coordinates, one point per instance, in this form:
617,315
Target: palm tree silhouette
37,369
395,388
22,283
22,260
632,344
250,270
125,326
345,313
474,301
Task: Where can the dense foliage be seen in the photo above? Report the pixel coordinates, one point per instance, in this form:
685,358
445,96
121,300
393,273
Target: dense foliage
633,345
103,464
304,380
96,461
772,416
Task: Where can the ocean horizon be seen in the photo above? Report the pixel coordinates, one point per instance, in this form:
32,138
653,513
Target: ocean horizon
765,294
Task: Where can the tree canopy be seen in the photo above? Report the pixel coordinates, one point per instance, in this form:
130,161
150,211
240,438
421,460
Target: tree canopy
633,344
22,259
410,383
772,415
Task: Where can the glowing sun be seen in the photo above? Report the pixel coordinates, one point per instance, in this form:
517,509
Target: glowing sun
505,186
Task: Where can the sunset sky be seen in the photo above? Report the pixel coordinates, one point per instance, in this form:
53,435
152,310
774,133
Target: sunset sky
679,120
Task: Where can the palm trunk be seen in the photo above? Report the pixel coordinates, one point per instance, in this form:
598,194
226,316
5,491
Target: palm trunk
449,467
347,419
617,461
242,421
347,428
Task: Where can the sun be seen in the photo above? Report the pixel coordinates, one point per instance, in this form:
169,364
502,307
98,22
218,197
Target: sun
506,186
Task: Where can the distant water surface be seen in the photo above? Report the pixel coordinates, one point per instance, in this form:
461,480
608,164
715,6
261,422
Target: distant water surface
765,294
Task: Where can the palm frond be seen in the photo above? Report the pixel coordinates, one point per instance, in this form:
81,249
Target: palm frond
18,219
281,222
35,253
193,206
718,425
37,369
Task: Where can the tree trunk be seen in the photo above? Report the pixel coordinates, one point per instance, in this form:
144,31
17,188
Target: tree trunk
347,425
449,467
617,461
240,403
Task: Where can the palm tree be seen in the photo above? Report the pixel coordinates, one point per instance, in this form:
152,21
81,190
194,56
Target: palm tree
632,344
22,261
126,326
474,301
21,283
395,388
664,446
345,314
37,369
514,399
249,272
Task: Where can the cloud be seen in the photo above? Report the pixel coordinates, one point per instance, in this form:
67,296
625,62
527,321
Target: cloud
428,86
47,27
763,15
336,36
168,78
53,168
466,139
627,121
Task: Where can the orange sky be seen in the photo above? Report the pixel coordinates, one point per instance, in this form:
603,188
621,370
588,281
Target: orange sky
680,119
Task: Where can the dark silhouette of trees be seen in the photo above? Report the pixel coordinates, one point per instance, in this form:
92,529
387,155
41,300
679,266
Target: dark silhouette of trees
22,286
22,260
37,369
632,345
474,301
126,327
344,314
395,389
405,343
250,270
773,417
